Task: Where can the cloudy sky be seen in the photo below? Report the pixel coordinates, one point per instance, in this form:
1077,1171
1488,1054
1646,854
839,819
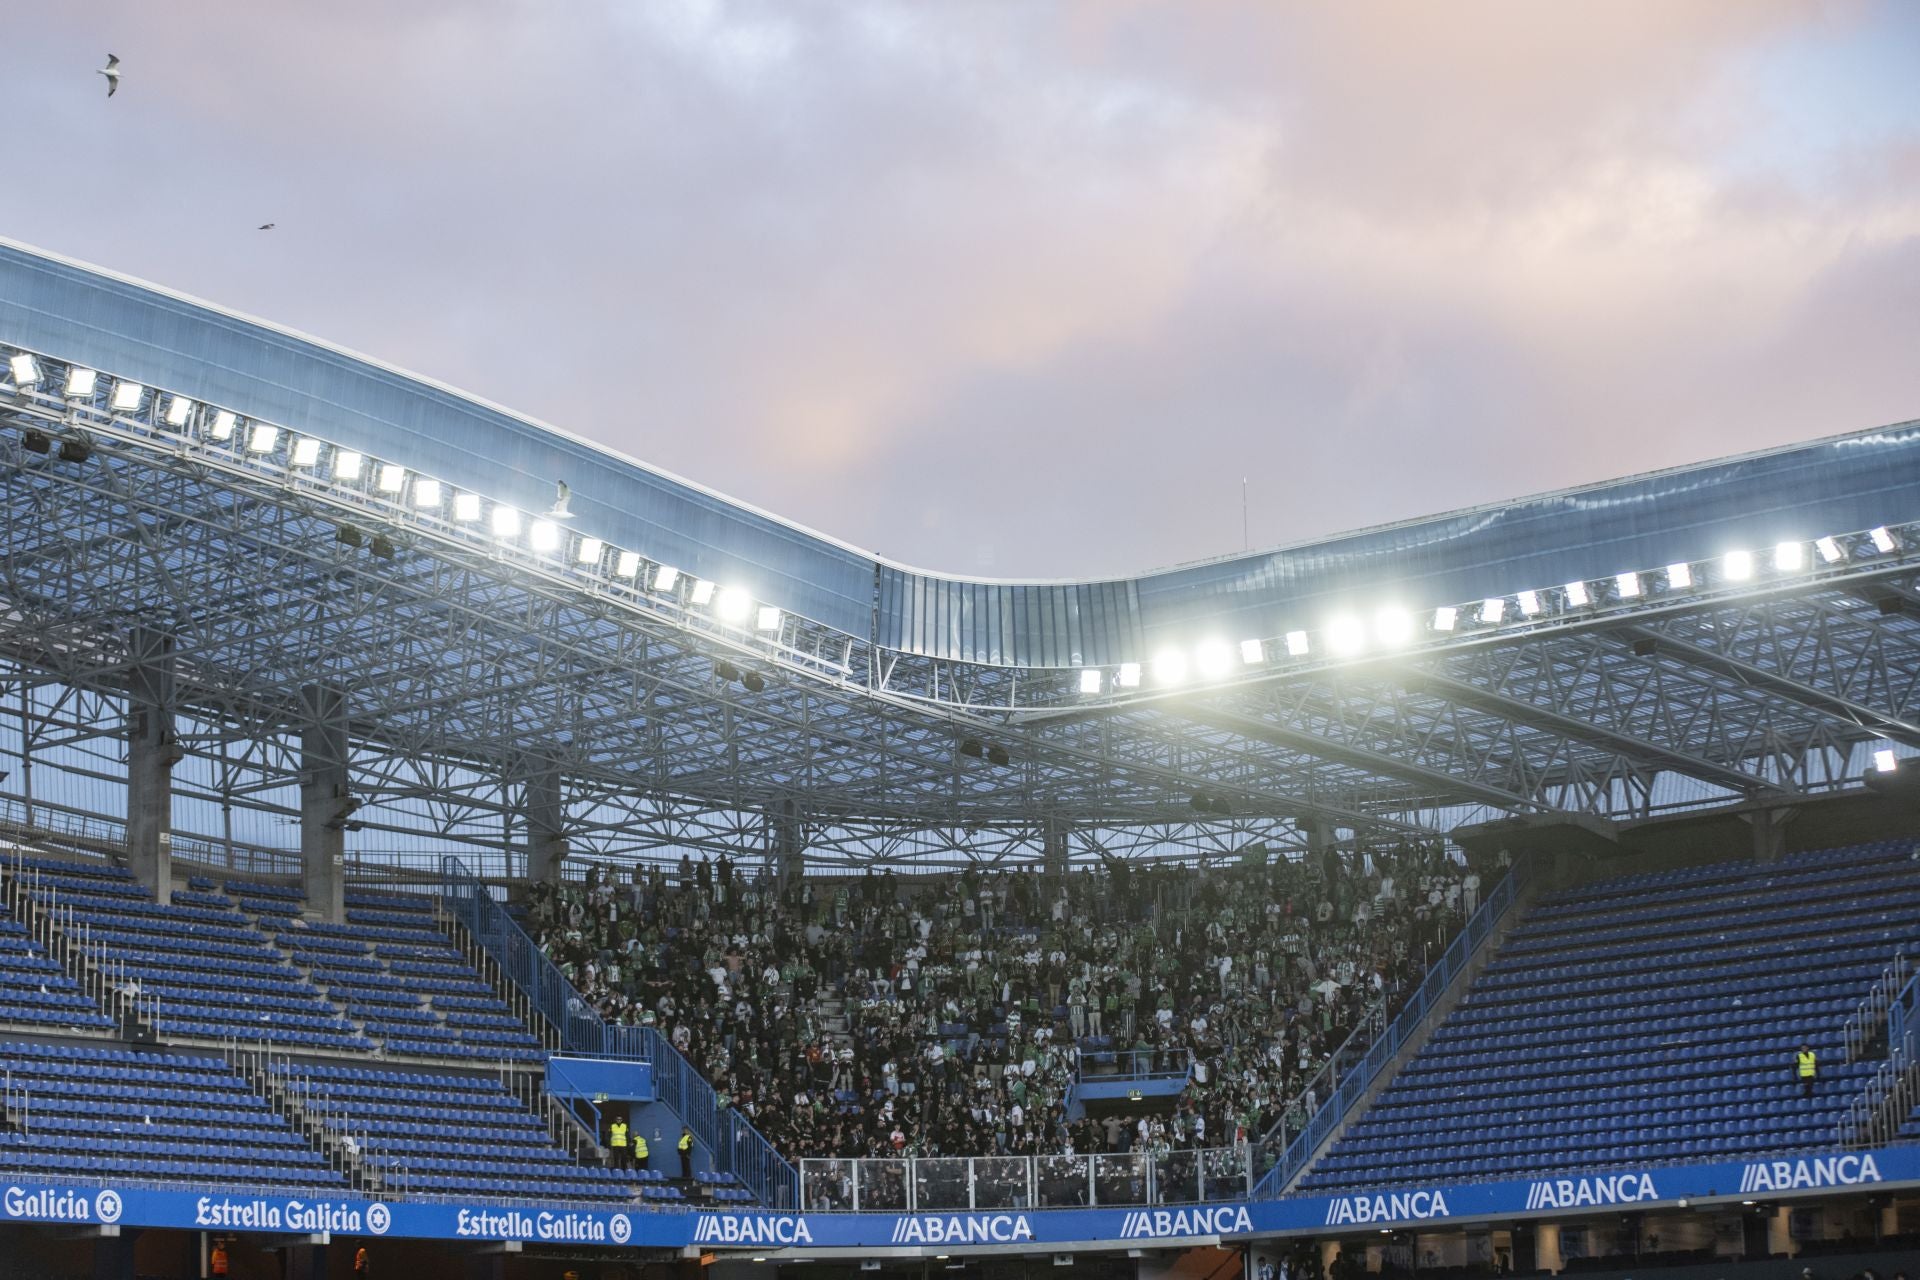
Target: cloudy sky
1024,288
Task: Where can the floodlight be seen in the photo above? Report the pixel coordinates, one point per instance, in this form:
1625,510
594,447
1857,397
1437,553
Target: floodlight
1790,557
80,382
732,604
627,564
1252,652
426,493
1213,659
1577,594
393,478
544,536
1885,761
1169,666
589,551
768,619
466,506
1090,680
1829,549
262,438
305,452
179,409
506,522
702,591
1882,540
1627,584
1529,603
223,425
1739,566
26,370
1679,575
1393,625
126,396
1345,635
1128,676
1297,644
1444,617
664,577
347,464
1492,609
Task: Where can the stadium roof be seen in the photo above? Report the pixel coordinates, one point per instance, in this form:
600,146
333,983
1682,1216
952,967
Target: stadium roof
1733,631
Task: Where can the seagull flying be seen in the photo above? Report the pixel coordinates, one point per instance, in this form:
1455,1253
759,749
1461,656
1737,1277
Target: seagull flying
112,72
562,497
268,226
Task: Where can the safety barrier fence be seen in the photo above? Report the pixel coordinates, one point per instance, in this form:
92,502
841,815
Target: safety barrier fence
941,1183
731,1141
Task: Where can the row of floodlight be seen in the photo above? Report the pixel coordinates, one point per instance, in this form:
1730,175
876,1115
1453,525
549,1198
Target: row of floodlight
1393,627
424,495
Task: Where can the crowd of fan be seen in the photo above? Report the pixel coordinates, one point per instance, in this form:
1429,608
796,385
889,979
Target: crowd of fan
946,1015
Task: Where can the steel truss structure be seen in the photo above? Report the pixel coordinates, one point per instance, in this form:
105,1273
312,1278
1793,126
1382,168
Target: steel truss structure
467,667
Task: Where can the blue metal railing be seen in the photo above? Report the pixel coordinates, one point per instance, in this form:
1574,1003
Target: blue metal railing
1354,1066
734,1144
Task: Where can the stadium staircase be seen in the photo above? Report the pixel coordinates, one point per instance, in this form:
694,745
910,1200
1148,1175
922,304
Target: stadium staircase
1647,1019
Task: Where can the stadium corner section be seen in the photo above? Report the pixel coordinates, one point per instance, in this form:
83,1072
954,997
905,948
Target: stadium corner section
1802,1177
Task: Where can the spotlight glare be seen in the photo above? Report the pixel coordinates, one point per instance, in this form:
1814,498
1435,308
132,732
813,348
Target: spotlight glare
80,382
1882,540
1492,609
1790,557
1577,594
1393,625
262,438
1739,566
1679,575
1529,603
627,564
1213,659
1829,548
702,591
1298,644
1090,680
1346,635
1445,617
589,551
466,506
426,493
732,604
393,477
544,536
1169,666
26,370
769,620
306,452
1128,676
1252,652
1628,585
178,410
126,396
506,522
664,577
347,464
1885,761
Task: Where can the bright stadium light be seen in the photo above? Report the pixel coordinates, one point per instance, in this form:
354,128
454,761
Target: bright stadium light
702,591
426,493
1829,549
1529,603
262,438
1628,585
1577,594
1297,644
466,507
222,429
589,551
126,396
80,382
1492,609
506,522
1169,666
1445,617
1346,635
732,604
664,577
1090,680
627,564
393,478
1790,557
1679,575
1252,652
179,409
347,465
25,369
544,536
1393,625
768,619
1128,677
1882,540
1739,566
1885,761
1213,659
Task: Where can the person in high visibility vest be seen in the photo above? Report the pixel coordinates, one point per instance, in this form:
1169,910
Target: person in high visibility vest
617,1149
217,1259
685,1148
1806,1065
640,1150
362,1264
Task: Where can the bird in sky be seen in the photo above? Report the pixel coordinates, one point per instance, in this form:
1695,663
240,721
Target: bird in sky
268,226
112,72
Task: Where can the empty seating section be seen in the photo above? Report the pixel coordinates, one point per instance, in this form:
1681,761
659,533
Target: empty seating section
1645,1019
210,972
87,1112
35,990
450,1135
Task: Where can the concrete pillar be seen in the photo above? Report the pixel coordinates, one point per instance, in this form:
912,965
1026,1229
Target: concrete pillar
1053,848
1770,833
113,1256
789,844
325,803
546,822
151,755
1321,852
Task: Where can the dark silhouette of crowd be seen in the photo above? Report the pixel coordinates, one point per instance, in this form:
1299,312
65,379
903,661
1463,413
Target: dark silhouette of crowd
876,1015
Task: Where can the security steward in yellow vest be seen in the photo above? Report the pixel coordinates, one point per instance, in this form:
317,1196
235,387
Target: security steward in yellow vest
685,1148
640,1150
1806,1065
617,1149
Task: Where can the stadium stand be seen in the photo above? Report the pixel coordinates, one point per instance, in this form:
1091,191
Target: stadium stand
1645,1019
35,991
